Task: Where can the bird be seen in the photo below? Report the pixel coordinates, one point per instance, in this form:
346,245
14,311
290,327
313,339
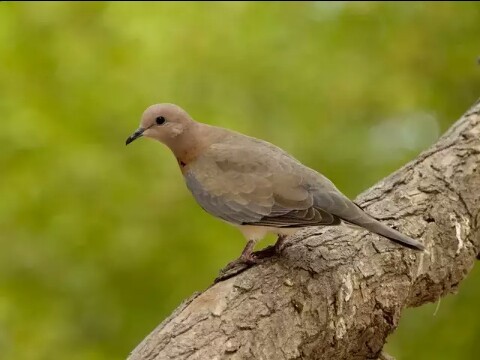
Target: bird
253,184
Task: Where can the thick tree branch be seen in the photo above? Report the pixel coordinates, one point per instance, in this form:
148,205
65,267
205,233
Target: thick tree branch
337,293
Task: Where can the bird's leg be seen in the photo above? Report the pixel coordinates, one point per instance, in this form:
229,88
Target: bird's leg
246,259
279,244
247,256
271,250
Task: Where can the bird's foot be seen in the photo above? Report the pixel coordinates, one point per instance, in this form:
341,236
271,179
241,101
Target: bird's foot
250,258
246,260
271,250
279,244
237,266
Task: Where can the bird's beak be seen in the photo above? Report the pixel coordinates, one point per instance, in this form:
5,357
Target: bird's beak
138,133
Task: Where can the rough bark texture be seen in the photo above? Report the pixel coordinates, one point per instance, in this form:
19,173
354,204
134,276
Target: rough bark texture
337,293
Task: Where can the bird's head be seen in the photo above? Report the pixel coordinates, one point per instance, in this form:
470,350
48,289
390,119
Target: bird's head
162,122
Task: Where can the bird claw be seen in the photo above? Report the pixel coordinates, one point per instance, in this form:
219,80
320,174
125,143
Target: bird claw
235,267
246,261
269,251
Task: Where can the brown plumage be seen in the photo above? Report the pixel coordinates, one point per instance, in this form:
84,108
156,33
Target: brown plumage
251,183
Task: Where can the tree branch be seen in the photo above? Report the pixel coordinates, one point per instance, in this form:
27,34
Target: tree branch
337,293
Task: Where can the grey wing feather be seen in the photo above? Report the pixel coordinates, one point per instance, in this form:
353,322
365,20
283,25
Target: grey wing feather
339,205
249,181
220,206
256,185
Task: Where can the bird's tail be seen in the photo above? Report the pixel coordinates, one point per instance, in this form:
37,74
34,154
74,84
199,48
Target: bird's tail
367,222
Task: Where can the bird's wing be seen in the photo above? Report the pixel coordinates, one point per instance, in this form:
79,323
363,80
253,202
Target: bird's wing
256,183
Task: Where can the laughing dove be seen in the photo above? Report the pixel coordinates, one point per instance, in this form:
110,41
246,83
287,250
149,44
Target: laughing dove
251,183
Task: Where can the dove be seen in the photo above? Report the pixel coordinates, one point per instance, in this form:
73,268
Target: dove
253,184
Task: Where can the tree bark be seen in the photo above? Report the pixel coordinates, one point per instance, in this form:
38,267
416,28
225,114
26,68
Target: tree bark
337,293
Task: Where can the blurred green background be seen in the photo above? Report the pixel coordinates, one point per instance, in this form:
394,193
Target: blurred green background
99,243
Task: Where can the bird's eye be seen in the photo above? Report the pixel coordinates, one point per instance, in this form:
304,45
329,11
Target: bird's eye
160,120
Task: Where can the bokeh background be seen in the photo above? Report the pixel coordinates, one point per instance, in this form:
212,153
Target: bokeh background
99,243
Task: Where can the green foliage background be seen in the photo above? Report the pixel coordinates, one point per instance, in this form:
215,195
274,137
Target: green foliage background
98,242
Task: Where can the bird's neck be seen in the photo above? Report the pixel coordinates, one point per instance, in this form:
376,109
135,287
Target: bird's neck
190,144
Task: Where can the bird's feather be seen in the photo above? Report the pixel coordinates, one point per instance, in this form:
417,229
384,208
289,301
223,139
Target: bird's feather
258,185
